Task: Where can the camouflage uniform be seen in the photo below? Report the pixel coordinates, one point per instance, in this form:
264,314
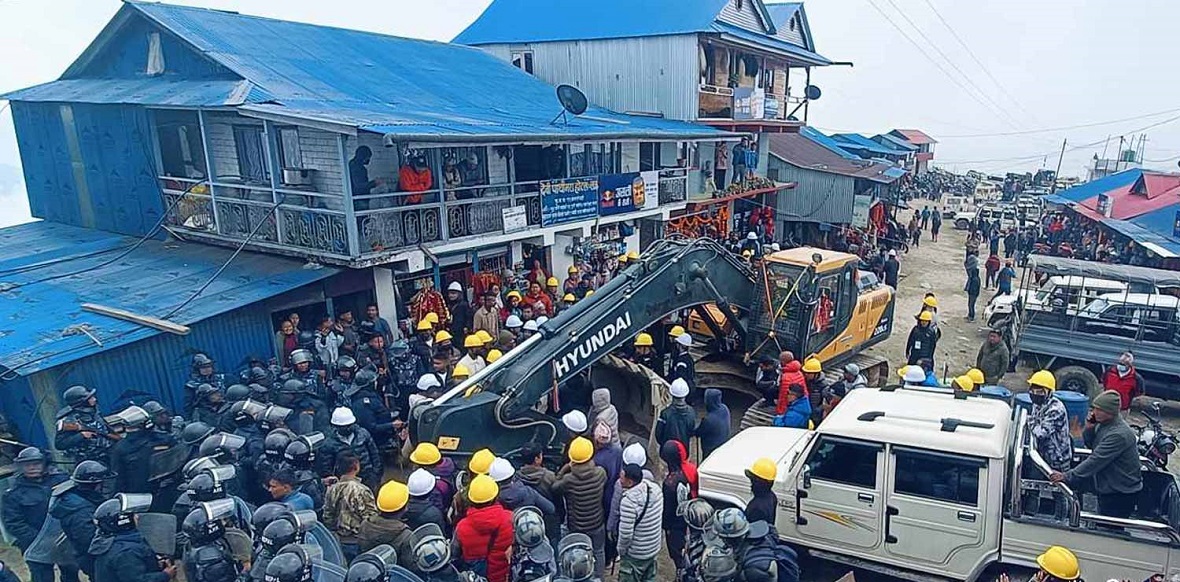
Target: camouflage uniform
346,506
1049,424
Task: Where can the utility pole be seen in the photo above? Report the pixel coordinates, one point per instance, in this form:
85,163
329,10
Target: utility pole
1057,172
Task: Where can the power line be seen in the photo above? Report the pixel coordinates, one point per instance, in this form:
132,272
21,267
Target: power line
1008,118
975,58
1062,128
932,60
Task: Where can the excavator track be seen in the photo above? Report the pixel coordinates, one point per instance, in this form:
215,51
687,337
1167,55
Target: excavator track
874,368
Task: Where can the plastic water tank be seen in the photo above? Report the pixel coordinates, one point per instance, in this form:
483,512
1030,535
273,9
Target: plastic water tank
996,393
1077,407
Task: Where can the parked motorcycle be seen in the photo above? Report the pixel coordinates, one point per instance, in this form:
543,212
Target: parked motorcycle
1155,442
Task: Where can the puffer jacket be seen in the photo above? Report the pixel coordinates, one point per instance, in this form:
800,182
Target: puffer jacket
583,486
381,529
420,511
485,534
792,374
641,521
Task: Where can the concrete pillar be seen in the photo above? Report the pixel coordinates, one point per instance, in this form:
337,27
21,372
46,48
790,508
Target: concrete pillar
763,153
387,298
561,260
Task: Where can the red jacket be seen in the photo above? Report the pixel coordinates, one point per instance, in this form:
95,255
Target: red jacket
792,374
1128,386
485,528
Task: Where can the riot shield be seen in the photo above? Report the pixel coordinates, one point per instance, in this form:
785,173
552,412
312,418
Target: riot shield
51,545
322,571
240,544
329,545
302,423
168,462
159,530
400,574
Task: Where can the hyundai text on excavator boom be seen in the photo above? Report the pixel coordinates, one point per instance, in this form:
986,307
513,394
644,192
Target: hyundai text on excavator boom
805,300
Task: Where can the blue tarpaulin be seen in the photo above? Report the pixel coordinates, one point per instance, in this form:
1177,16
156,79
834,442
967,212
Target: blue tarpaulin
1091,189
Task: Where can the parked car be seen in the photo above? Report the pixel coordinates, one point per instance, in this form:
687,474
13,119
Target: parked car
1067,293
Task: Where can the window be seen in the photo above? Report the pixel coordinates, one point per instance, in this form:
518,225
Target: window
595,159
248,142
845,461
937,476
523,60
182,154
649,156
290,155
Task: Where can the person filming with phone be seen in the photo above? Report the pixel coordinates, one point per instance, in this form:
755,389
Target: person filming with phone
1112,470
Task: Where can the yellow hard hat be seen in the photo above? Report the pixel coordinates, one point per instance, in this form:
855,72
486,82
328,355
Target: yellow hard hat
432,317
392,496
482,489
676,331
572,270
423,325
460,370
622,258
643,339
569,297
925,316
552,282
1044,379
812,366
589,292
747,253
763,469
965,383
472,341
425,454
442,335
633,255
581,450
494,355
976,375
1060,563
481,461
930,301
514,293
484,336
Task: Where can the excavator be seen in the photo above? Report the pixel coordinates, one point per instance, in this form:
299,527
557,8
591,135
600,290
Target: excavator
805,300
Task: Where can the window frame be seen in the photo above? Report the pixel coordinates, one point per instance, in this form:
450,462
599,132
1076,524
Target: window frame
977,462
282,147
523,59
823,439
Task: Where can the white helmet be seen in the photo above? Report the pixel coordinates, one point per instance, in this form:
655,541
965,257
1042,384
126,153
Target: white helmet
635,454
679,388
420,483
513,321
343,416
914,375
751,236
775,247
575,421
428,381
541,320
455,286
530,325
684,339
501,470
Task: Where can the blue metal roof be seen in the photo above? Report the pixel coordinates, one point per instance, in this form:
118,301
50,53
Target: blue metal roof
896,142
859,141
407,87
1160,221
827,142
1162,245
509,21
144,91
37,316
802,54
1091,189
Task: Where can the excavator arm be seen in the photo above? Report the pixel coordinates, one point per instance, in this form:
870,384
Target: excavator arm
496,408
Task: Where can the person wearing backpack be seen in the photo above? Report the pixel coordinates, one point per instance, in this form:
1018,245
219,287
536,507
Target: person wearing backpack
761,558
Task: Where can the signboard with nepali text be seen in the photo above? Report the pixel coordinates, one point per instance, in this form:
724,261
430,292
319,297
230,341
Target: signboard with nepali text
621,193
568,200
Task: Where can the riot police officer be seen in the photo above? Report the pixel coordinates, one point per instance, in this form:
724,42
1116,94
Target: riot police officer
304,417
346,369
575,558
273,447
161,419
131,458
208,557
122,554
405,367
292,564
370,410
698,516
214,485
258,374
73,504
184,502
373,565
26,505
203,372
432,555
236,393
347,436
303,369
532,556
81,431
300,456
289,528
193,434
209,406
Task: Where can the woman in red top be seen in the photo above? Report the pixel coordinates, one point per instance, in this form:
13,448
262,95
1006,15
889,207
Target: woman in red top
536,295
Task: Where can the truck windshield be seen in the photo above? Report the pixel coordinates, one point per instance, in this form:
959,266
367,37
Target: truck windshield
1044,291
1095,308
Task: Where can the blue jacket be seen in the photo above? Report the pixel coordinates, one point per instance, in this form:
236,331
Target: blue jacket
26,504
125,557
713,430
75,510
797,415
931,380
299,501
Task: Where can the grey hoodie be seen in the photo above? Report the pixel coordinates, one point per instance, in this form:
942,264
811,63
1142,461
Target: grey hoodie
601,410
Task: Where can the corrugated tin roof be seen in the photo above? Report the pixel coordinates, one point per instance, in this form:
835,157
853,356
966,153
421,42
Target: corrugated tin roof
916,136
143,91
383,83
804,152
896,142
510,21
859,141
827,142
1161,245
1160,221
36,314
1094,188
799,53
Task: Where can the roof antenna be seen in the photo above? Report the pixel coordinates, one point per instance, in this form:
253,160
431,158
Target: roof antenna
572,100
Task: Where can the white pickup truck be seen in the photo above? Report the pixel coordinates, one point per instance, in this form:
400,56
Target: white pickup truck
918,484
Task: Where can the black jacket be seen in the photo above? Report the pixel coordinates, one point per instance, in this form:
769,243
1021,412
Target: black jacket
764,505
920,344
125,557
713,429
515,494
420,511
372,414
26,504
461,319
362,446
892,267
75,510
676,422
131,459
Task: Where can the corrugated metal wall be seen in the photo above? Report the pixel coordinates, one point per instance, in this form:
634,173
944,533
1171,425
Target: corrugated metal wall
819,196
745,16
126,56
89,165
655,74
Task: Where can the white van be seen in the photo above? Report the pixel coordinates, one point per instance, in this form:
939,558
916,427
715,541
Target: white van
1069,293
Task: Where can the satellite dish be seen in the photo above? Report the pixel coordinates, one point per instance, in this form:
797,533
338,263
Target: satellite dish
572,99
812,92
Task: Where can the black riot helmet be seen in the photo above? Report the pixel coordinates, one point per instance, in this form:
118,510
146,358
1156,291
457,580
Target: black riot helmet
259,393
195,466
161,417
237,393
346,364
202,361
117,514
274,417
258,375
31,462
275,443
301,356
267,513
306,340
153,408
77,396
195,432
292,564
223,447
365,379
209,393
209,485
134,418
246,412
373,565
91,473
205,523
399,348
301,451
290,528
290,392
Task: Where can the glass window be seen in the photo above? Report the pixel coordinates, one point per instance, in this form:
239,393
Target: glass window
937,476
252,166
844,461
290,154
523,60
649,156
